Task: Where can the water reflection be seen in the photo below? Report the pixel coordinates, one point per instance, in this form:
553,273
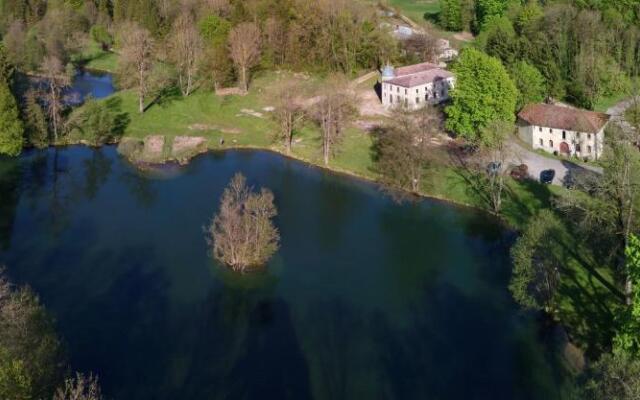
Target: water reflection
365,299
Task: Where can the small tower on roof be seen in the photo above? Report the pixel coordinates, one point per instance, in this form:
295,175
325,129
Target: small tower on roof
388,72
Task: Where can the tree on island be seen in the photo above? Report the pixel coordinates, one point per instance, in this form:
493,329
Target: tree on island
243,232
484,93
80,387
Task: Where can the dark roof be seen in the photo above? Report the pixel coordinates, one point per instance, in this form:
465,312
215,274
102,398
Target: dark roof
421,78
568,118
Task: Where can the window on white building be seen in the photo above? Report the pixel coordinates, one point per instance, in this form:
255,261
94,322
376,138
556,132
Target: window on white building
540,128
564,135
550,143
541,142
550,130
589,136
417,100
589,149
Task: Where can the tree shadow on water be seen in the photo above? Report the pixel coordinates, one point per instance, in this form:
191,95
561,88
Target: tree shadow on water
245,347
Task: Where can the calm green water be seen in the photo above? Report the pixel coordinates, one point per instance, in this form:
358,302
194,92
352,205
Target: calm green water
366,299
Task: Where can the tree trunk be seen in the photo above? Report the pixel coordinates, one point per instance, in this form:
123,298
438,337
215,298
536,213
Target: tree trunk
243,78
141,103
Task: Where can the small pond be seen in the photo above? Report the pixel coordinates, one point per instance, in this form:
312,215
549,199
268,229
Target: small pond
366,299
96,85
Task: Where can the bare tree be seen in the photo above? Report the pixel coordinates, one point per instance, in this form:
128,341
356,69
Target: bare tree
334,109
424,45
136,60
56,79
403,147
288,111
243,232
244,44
80,387
495,154
219,7
185,51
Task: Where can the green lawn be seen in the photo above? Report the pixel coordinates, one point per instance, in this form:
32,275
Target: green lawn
93,57
415,9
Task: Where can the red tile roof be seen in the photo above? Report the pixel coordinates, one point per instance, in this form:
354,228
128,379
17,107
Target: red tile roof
559,117
417,79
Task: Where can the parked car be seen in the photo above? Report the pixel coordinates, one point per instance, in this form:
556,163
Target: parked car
520,172
547,176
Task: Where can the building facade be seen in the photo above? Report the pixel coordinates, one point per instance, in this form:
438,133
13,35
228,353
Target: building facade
414,86
563,130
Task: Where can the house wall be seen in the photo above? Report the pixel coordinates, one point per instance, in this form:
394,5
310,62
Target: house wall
416,97
581,144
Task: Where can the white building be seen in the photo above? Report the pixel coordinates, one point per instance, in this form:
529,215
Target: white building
563,130
445,51
414,86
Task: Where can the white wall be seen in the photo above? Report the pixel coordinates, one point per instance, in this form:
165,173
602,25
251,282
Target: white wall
580,144
418,96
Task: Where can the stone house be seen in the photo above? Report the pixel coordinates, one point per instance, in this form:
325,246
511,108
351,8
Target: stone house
563,130
414,86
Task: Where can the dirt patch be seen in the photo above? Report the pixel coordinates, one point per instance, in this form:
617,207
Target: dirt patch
232,91
250,112
205,127
156,149
464,36
153,146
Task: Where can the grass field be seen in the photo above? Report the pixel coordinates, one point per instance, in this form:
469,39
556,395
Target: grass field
93,57
415,9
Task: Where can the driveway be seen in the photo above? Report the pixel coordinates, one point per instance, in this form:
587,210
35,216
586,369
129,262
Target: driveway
538,163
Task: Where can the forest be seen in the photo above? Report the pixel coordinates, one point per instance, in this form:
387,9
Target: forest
585,50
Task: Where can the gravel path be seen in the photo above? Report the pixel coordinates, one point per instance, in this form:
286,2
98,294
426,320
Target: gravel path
538,163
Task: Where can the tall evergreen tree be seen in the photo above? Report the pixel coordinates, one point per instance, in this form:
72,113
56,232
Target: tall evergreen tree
11,130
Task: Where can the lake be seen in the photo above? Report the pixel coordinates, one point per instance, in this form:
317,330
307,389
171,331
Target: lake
366,299
85,84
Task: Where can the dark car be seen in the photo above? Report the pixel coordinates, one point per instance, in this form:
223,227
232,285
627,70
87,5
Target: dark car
547,176
520,172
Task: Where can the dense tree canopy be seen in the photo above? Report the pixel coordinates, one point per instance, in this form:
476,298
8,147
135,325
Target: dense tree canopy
484,92
11,129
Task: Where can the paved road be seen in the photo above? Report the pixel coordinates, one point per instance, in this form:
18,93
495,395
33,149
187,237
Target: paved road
538,163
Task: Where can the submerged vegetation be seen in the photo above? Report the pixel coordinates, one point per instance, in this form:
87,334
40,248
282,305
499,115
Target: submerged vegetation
243,234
